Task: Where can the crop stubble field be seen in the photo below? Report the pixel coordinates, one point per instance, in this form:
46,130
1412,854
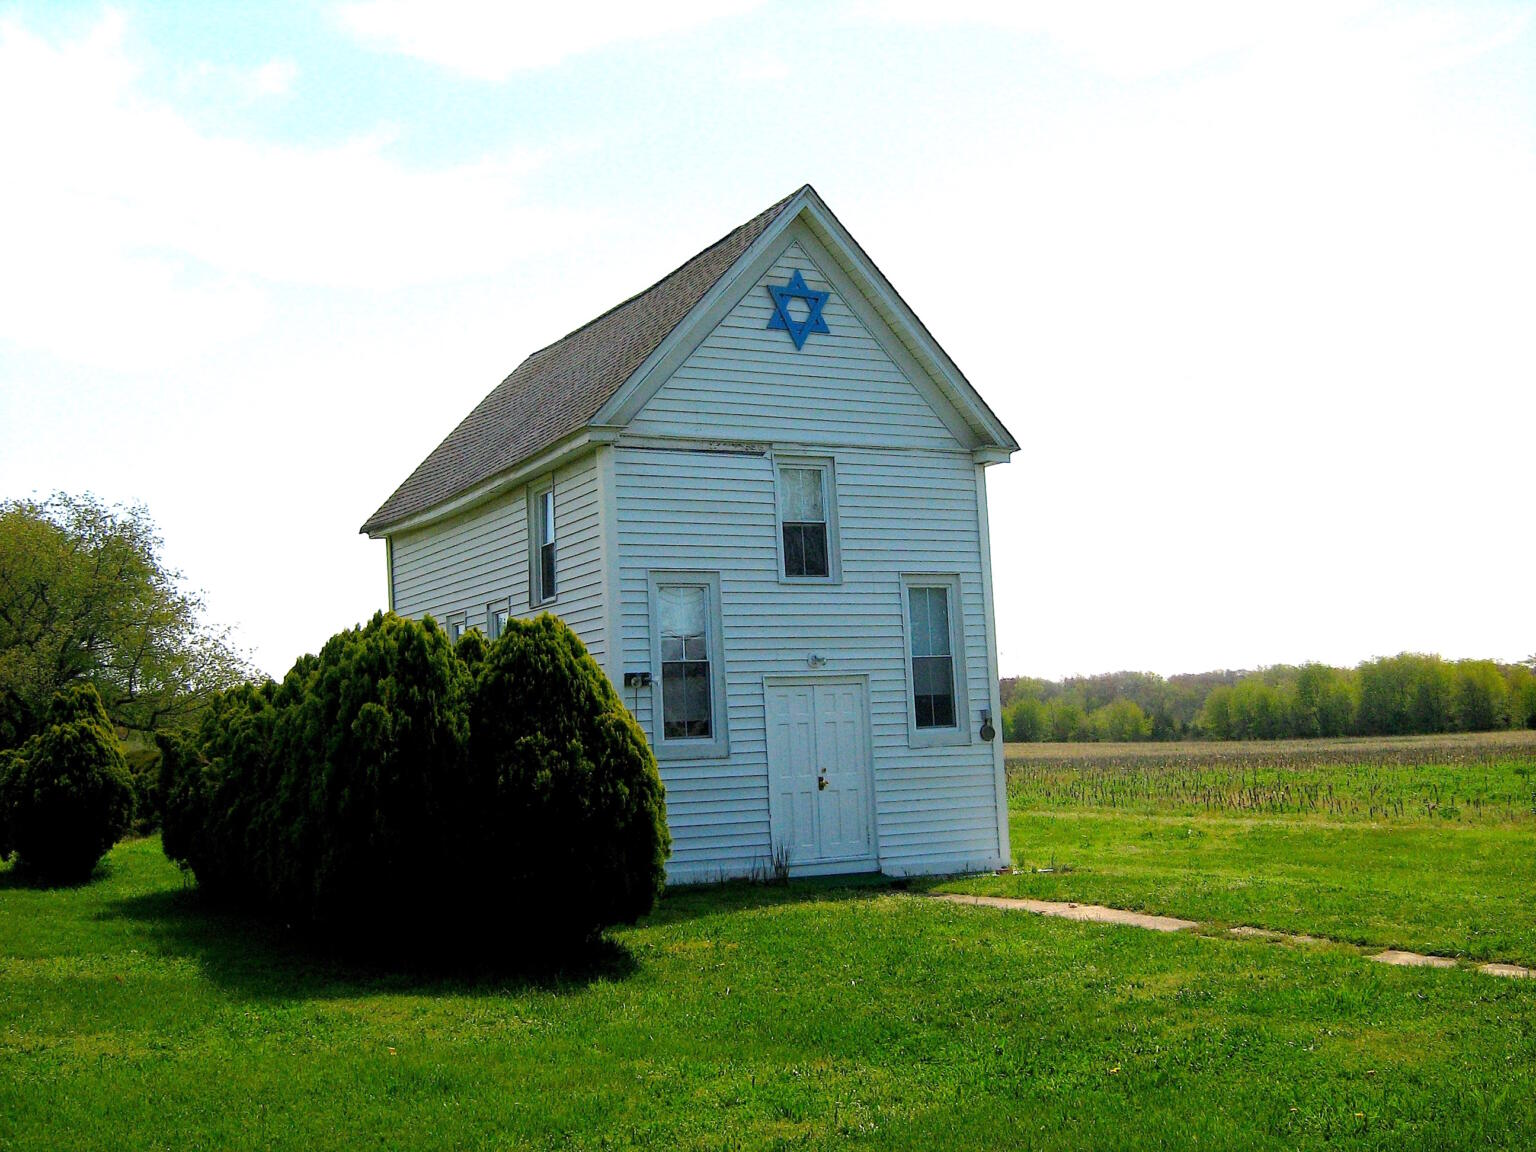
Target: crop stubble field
831,1014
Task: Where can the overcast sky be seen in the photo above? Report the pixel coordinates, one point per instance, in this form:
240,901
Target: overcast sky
1254,287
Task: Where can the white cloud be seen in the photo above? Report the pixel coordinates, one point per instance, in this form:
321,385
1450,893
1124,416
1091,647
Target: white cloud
1135,40
491,41
166,237
763,68
275,77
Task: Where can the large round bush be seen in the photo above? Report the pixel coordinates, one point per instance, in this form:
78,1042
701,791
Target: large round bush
571,819
400,791
66,794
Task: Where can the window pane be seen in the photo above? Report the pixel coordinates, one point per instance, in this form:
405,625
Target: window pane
547,529
547,571
933,691
938,621
815,544
674,705
800,497
696,679
794,550
918,597
682,611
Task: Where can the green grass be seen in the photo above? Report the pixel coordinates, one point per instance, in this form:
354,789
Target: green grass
1426,843
809,1016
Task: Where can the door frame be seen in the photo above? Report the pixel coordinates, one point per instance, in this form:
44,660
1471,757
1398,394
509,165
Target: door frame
845,865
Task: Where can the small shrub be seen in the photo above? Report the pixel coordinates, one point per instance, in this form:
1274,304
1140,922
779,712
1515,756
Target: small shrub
66,794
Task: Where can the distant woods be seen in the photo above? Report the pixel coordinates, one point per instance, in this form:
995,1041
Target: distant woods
1399,695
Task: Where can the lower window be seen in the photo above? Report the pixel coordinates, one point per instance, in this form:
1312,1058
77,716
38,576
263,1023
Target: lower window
688,712
686,708
932,654
497,613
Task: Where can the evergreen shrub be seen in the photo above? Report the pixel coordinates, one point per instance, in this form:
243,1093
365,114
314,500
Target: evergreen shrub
396,788
570,811
65,795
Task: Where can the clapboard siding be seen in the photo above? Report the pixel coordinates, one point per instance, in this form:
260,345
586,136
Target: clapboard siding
899,512
465,563
746,381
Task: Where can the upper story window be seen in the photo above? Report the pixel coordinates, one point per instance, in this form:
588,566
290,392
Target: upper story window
936,673
688,712
456,624
541,551
807,519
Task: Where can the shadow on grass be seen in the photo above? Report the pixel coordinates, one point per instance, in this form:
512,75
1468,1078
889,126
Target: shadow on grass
263,959
685,902
19,876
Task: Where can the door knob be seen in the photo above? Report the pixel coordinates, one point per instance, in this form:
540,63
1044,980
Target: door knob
821,783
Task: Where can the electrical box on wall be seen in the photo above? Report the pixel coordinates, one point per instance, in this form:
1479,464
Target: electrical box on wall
637,679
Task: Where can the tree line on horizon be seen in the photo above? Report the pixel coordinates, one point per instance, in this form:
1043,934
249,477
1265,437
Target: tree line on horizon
1407,694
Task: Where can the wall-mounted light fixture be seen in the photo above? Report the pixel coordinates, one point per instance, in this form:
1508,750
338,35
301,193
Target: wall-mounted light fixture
816,660
988,733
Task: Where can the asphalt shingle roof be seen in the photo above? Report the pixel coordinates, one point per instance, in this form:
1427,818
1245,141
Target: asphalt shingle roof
558,389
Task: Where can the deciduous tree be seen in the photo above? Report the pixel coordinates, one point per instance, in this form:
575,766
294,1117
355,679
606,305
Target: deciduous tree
85,597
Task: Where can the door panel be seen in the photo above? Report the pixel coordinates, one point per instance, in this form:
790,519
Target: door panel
819,771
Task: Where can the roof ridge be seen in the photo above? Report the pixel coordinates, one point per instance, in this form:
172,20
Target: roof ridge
773,210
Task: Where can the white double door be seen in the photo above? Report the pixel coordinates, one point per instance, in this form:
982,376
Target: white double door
819,771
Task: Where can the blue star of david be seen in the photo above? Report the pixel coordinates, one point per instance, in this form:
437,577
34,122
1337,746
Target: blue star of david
781,319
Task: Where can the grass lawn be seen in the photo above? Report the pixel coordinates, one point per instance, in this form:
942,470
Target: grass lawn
1420,843
807,1016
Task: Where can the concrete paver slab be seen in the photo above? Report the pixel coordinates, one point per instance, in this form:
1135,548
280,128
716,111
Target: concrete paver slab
1514,970
1096,913
1412,959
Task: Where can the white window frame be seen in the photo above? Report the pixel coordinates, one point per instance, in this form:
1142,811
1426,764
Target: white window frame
718,746
537,494
961,732
457,625
505,605
828,466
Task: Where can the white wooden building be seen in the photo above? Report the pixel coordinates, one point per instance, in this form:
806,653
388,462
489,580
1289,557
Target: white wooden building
757,492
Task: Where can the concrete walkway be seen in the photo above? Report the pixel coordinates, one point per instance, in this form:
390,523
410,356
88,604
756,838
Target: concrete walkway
1099,914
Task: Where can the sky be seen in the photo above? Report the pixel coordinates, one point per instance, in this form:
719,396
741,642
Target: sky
1254,286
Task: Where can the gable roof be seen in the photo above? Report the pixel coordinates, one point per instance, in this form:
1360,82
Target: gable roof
581,378
558,389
